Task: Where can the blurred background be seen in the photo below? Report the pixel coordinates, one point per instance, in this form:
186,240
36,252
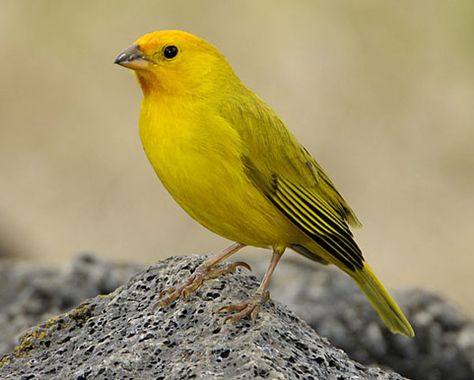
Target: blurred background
382,94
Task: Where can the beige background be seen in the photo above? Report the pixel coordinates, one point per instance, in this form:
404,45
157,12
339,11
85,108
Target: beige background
382,93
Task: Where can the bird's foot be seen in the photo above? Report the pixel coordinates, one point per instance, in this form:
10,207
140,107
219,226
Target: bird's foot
250,308
194,282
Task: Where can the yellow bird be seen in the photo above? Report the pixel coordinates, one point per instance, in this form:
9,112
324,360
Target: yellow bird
233,166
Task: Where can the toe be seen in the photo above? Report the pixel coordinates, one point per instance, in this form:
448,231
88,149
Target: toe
254,313
234,318
232,308
167,291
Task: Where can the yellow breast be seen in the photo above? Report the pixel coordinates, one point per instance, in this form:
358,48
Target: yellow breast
197,156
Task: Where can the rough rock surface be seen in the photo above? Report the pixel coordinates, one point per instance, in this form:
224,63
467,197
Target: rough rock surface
118,336
322,296
30,294
331,303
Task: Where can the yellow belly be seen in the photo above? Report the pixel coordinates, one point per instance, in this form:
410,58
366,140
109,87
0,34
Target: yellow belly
199,164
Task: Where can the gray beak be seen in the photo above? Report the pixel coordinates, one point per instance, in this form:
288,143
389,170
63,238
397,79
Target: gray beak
132,58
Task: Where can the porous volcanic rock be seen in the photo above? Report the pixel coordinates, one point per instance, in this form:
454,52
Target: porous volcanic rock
31,293
330,302
119,336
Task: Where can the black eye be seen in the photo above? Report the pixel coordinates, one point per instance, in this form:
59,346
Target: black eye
170,51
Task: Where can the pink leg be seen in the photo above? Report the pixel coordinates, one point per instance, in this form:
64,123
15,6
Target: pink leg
252,307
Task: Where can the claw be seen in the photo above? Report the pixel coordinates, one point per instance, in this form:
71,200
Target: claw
243,264
192,287
162,303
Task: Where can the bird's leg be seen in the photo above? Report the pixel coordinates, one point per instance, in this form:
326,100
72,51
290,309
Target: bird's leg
252,307
206,271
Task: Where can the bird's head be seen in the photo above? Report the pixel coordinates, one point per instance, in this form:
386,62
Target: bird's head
176,63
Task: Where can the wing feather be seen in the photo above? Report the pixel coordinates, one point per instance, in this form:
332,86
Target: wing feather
291,179
313,216
273,149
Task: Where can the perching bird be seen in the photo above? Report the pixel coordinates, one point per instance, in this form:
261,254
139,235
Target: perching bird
232,165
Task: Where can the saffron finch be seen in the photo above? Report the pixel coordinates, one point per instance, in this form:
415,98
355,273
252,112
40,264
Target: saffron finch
233,166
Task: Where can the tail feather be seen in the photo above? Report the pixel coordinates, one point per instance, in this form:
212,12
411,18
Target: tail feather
382,302
374,290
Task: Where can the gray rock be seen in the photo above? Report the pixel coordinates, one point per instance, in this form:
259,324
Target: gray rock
330,302
324,297
30,294
118,336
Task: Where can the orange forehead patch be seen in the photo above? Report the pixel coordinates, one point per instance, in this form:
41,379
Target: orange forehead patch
151,41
